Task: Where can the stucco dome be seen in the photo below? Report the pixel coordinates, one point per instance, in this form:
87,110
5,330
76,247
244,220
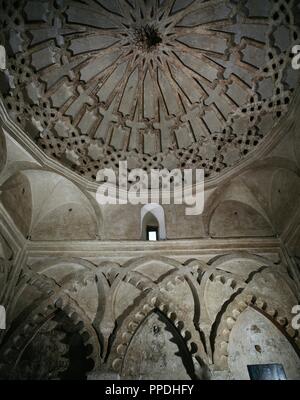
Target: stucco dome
162,84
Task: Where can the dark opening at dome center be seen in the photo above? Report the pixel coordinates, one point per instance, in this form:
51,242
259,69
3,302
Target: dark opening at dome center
148,37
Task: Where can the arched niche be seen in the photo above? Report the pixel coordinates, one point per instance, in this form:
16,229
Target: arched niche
153,215
54,350
255,340
157,351
234,219
77,278
47,206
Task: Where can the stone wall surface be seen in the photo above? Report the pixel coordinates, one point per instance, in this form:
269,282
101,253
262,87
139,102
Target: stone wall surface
162,84
151,318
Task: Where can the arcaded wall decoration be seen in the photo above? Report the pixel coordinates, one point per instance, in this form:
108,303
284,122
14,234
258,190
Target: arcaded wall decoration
230,284
53,338
161,84
255,339
255,291
158,301
230,318
148,311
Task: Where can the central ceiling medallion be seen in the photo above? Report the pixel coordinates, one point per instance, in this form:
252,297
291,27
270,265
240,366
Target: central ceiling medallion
147,37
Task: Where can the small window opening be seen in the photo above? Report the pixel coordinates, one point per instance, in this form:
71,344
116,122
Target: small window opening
152,233
153,222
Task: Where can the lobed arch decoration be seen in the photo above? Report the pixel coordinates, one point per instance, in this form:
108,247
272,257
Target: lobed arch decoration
54,310
79,278
198,340
230,318
153,215
55,323
131,324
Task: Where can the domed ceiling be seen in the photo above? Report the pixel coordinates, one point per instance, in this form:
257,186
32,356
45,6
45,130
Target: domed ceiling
170,83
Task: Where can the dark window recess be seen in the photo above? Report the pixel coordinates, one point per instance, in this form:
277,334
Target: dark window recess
152,233
266,372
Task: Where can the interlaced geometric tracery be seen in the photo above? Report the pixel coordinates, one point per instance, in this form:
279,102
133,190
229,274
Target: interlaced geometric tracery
170,83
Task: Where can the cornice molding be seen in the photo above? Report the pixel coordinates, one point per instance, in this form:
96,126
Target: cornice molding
181,250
